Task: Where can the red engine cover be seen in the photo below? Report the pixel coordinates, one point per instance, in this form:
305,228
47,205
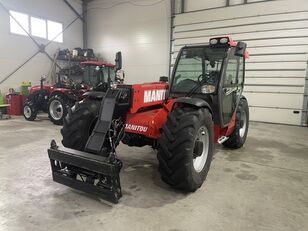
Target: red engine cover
148,94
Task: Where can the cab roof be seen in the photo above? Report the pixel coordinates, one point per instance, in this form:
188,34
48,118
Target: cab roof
97,63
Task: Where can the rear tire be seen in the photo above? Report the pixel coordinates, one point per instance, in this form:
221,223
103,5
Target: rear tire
79,123
57,109
177,148
239,135
29,111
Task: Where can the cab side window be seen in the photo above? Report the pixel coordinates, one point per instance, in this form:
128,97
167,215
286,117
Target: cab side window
231,72
241,72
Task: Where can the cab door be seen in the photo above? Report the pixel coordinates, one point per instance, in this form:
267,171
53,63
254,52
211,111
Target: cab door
231,87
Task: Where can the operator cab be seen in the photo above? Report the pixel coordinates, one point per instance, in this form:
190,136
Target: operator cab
99,75
214,73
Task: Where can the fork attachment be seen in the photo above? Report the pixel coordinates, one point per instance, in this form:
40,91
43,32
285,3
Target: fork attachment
86,172
95,170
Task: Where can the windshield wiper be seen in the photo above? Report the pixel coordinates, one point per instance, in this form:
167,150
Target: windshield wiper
195,88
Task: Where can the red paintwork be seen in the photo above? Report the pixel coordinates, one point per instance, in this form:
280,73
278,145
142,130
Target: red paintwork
139,95
38,87
151,121
52,90
97,63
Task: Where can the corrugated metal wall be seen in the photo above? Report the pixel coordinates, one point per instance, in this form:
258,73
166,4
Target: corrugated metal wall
277,36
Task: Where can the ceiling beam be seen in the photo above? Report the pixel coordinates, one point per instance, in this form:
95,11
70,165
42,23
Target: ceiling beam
73,9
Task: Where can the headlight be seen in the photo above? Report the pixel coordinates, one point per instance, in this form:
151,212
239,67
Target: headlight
213,41
206,89
223,40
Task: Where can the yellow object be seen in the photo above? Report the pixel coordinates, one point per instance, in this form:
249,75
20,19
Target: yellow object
25,86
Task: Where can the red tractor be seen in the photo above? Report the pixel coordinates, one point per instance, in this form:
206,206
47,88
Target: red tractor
201,105
72,84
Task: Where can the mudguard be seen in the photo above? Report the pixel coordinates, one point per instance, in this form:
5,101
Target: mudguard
197,102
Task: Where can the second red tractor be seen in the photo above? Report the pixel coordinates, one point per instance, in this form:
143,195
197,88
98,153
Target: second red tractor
72,84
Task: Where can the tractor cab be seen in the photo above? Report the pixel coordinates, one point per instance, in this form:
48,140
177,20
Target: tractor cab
98,74
214,73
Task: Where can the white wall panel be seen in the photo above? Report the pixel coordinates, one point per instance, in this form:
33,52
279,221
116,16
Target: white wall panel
277,65
197,4
282,74
276,33
243,11
279,58
275,100
274,88
141,33
16,49
275,81
275,115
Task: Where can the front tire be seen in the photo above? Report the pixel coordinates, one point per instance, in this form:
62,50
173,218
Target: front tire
185,148
239,135
57,109
79,123
29,111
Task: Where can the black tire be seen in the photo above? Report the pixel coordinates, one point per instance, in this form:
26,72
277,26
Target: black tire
176,147
54,115
29,111
238,137
79,123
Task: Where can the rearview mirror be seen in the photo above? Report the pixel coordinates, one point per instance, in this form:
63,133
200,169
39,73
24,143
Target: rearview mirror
118,61
240,49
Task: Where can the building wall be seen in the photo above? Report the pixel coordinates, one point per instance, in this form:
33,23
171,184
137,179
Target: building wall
141,32
16,49
276,33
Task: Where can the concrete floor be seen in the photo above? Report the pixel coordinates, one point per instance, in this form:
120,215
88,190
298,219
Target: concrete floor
263,186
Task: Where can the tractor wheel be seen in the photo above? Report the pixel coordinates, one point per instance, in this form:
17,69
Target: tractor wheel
57,109
79,123
29,111
185,148
238,136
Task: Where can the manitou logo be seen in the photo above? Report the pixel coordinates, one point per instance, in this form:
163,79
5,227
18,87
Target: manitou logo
154,95
136,128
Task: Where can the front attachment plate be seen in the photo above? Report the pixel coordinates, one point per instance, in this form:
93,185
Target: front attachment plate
86,172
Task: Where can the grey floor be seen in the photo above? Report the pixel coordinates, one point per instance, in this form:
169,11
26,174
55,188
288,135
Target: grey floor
263,186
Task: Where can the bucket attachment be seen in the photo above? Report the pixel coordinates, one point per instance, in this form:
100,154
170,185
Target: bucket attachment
90,173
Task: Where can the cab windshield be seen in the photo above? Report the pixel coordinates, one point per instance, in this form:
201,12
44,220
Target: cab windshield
195,65
93,75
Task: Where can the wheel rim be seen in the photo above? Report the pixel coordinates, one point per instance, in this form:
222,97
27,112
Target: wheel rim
56,109
27,111
199,161
244,124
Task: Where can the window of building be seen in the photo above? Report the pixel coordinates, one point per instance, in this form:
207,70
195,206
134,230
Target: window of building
38,27
35,26
22,19
54,31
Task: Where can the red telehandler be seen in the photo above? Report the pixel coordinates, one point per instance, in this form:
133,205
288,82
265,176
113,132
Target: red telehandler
201,105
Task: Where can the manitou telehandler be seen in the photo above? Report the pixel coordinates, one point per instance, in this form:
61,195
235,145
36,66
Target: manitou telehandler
201,105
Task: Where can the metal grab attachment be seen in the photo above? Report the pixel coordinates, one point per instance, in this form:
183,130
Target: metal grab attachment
95,170
86,172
